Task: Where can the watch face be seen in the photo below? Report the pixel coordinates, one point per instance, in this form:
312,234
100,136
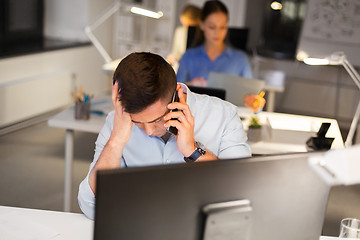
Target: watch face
201,149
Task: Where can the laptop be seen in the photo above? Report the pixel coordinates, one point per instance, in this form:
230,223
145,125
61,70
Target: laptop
236,87
269,197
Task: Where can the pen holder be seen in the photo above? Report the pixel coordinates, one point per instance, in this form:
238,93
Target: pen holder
82,110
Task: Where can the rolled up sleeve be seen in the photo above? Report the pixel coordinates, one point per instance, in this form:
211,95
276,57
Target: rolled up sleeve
233,142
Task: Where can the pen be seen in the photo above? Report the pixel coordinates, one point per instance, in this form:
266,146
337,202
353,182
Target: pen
75,98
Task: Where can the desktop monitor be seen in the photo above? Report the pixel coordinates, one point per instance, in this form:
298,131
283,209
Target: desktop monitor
236,37
236,87
270,197
215,92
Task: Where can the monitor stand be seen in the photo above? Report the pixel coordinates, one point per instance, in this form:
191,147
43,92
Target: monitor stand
228,220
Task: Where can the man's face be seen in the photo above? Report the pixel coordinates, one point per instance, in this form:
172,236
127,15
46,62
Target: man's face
151,120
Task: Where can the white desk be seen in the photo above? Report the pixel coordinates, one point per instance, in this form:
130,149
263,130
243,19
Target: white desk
289,135
66,120
290,132
65,226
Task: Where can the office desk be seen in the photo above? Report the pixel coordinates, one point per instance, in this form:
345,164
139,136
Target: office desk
289,134
49,224
67,121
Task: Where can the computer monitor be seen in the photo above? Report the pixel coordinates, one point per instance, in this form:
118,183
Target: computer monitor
236,87
236,37
269,198
216,92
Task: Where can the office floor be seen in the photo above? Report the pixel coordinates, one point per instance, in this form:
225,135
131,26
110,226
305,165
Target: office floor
32,169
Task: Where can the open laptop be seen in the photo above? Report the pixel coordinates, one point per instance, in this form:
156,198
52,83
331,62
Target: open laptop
236,87
270,197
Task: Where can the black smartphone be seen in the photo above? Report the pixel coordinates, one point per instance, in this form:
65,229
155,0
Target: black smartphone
175,98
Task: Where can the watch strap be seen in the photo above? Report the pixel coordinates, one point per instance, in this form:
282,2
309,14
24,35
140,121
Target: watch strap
199,151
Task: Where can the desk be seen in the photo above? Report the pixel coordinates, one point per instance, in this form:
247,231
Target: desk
66,226
286,126
66,120
290,132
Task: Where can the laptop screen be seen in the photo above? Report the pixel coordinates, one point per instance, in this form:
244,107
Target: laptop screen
236,87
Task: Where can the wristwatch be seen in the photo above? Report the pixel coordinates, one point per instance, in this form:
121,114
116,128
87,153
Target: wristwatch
199,151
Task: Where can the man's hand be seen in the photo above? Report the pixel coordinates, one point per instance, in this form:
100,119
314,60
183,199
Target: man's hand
111,155
183,120
122,121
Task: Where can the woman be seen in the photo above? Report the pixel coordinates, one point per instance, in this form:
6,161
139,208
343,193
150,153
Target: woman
213,55
190,17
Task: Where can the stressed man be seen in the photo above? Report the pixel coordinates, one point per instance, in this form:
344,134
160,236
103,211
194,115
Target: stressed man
148,101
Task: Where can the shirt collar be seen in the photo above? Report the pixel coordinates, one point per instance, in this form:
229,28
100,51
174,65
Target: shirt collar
190,98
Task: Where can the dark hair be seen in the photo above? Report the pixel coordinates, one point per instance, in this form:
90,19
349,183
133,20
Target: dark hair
144,78
209,8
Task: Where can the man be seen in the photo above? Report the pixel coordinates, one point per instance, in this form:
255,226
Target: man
135,133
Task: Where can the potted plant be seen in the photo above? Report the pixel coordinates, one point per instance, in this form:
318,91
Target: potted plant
255,103
254,129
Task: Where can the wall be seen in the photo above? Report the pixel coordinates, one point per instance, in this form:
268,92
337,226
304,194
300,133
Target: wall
254,20
322,91
84,63
66,19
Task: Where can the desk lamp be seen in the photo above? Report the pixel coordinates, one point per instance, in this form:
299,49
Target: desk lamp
111,64
339,58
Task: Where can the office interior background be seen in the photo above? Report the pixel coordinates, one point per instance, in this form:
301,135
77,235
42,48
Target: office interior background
37,82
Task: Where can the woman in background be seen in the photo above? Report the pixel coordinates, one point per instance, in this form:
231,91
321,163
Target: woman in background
213,55
190,17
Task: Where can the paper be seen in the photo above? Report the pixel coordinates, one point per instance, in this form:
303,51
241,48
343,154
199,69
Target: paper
343,165
16,226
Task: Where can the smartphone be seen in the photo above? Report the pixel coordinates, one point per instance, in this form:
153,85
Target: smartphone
175,98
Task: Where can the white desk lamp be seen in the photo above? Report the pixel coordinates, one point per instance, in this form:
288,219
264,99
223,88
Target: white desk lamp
111,64
339,58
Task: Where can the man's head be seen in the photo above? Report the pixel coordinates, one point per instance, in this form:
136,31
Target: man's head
144,78
146,85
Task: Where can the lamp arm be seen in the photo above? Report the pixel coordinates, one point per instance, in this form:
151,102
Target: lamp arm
88,30
356,78
352,72
354,123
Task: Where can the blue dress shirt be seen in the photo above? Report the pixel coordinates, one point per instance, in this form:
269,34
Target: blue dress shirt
195,63
217,126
